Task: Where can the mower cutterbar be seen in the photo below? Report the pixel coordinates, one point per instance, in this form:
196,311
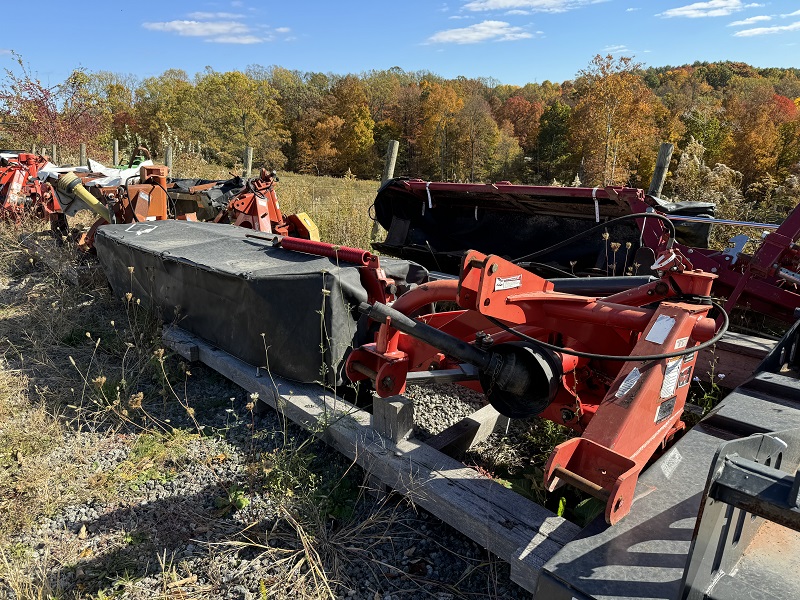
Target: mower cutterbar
615,372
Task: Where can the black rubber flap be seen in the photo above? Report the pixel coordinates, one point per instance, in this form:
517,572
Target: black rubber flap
293,312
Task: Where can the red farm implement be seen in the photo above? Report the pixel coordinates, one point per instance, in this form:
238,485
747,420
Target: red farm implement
434,223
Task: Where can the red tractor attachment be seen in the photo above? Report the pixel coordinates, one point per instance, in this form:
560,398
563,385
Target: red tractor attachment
616,370
256,207
20,188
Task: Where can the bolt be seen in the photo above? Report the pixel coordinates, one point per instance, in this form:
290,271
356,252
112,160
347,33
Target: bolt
691,250
483,340
391,289
567,415
493,268
487,302
713,269
387,382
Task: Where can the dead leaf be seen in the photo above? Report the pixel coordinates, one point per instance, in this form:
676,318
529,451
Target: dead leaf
83,533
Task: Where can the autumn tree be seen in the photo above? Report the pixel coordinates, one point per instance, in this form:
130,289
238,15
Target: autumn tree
168,99
439,132
65,114
524,117
614,120
552,155
757,115
354,140
301,97
235,111
481,135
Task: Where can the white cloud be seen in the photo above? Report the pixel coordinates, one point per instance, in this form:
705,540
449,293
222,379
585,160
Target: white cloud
768,30
4,51
235,39
215,28
750,21
518,12
198,28
793,14
487,31
458,17
205,16
616,49
632,9
711,8
550,6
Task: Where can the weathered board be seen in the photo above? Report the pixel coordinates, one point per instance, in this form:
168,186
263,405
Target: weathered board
521,532
733,359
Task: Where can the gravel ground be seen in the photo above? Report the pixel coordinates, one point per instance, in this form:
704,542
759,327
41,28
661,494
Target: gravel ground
133,513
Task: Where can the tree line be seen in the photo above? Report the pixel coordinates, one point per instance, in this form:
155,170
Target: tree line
602,127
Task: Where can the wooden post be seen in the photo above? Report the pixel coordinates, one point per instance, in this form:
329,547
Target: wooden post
33,149
115,159
168,158
662,166
84,162
53,154
393,417
391,159
388,173
248,162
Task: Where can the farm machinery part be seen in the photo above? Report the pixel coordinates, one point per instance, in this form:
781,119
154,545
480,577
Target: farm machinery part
144,200
434,223
614,370
766,281
21,190
256,207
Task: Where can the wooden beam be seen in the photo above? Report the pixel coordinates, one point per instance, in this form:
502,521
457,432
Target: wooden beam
457,439
735,357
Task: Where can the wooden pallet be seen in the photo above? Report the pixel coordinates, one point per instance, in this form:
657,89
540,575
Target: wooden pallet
517,530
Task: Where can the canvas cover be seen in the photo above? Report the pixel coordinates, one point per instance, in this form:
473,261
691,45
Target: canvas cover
293,312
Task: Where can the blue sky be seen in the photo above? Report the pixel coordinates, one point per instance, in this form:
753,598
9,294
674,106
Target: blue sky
514,41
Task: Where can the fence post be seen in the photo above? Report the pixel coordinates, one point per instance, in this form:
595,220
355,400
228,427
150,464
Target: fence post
53,154
248,162
662,166
168,158
388,173
83,161
33,149
115,158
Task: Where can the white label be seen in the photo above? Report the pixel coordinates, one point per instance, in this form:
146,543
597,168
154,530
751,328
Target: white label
671,462
660,329
507,283
665,409
681,343
689,357
671,375
144,196
628,383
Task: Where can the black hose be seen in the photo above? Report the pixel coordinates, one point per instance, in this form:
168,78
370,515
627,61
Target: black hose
723,328
567,242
